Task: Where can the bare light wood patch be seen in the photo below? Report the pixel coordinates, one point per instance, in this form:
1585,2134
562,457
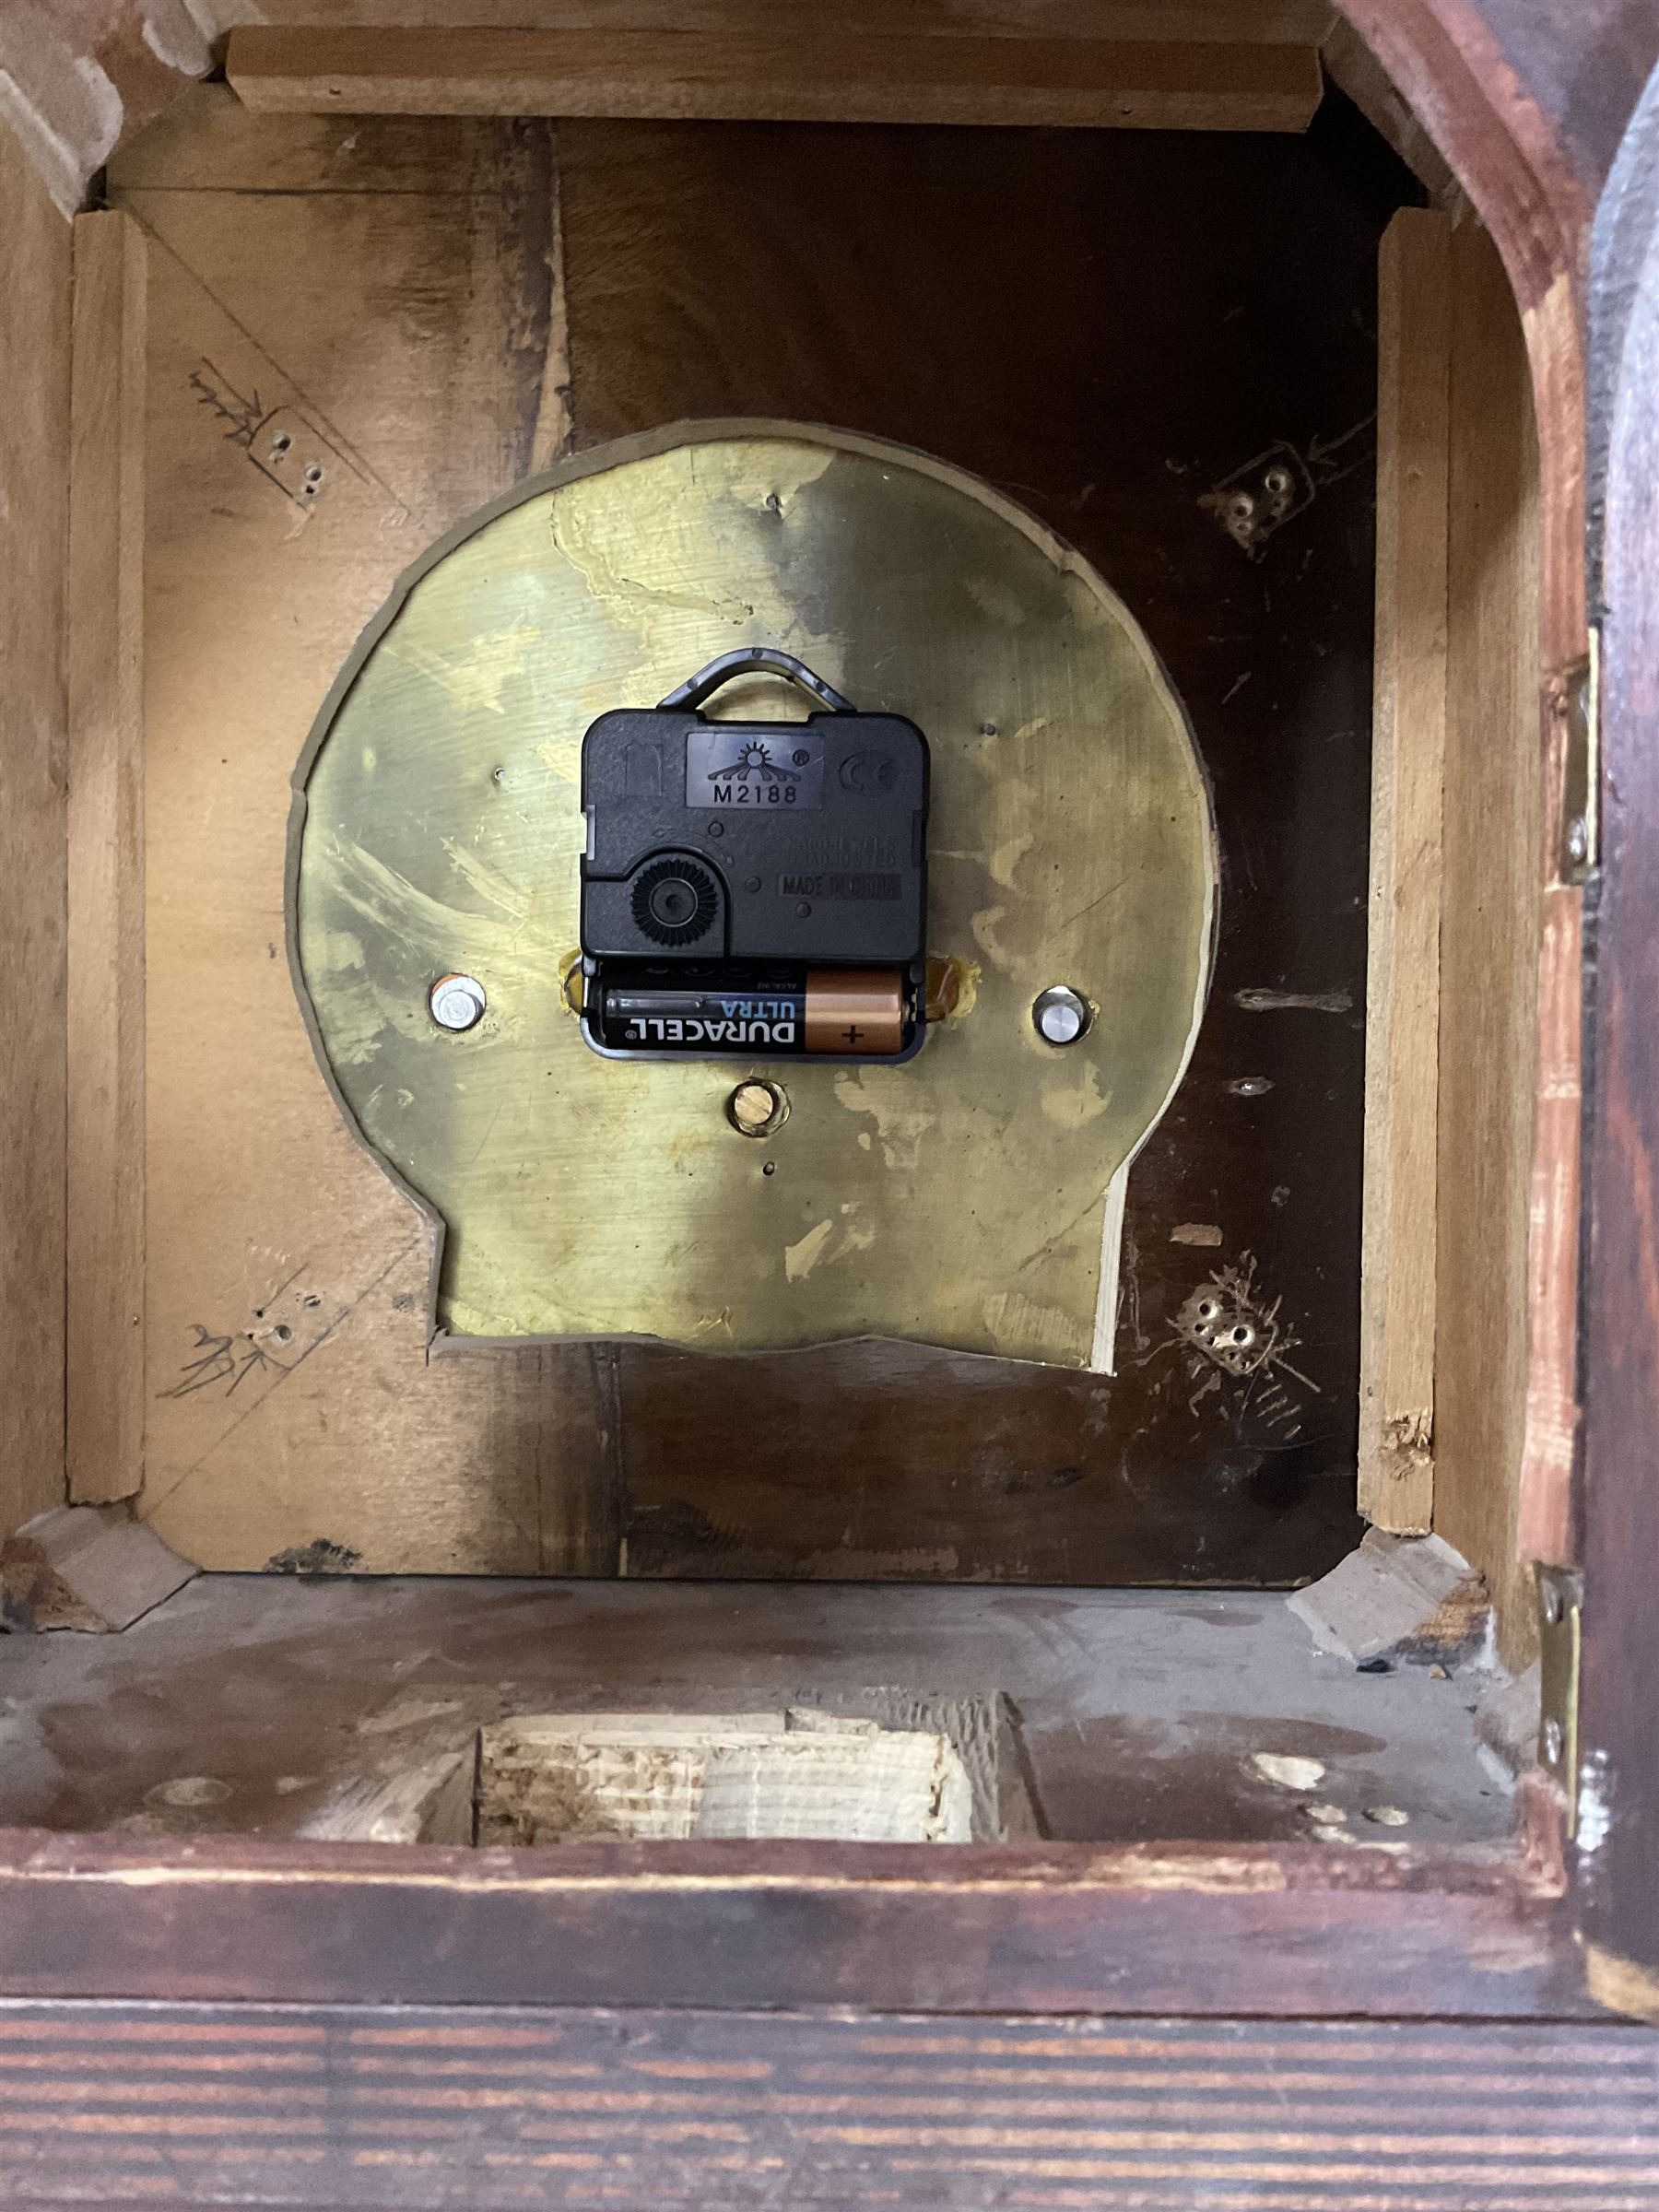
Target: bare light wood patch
1408,735
654,1777
1490,936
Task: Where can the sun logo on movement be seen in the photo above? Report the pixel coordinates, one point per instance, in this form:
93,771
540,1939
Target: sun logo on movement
755,759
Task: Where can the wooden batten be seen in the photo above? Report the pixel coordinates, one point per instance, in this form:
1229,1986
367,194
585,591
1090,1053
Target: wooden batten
34,472
104,662
1408,743
1454,907
803,75
1490,934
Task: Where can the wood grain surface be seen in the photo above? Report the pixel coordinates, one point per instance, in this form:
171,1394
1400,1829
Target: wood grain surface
494,2110
1528,105
1489,938
1619,1818
34,515
352,318
255,1705
106,950
1289,1928
1404,949
783,72
1268,22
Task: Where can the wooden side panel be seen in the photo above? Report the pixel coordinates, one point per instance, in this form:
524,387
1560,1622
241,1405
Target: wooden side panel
1489,926
34,494
1408,744
400,335
779,72
490,2110
105,631
1619,1794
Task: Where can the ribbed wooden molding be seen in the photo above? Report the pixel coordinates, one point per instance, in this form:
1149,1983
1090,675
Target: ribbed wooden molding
487,2109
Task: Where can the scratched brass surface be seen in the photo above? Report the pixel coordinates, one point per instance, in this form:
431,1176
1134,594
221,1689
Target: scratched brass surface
960,1200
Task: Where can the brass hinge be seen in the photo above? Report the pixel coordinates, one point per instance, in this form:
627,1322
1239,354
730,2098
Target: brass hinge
1580,771
1560,1621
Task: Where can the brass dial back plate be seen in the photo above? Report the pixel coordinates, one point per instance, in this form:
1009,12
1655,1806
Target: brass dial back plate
962,1199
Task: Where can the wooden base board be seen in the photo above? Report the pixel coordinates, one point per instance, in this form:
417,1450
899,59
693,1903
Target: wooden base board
263,1706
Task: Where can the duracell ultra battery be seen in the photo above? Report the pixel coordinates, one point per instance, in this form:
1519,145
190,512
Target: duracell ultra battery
830,1013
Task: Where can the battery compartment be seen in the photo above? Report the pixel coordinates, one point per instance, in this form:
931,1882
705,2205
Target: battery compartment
1166,345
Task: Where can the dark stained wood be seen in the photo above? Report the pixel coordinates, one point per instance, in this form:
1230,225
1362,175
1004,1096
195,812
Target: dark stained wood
1109,371
1269,1929
1619,1841
475,2110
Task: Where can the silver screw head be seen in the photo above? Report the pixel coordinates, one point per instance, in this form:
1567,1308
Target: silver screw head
1061,1014
1578,838
457,1002
1552,1741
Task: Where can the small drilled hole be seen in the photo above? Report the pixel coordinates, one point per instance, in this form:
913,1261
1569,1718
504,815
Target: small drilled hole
280,443
282,1333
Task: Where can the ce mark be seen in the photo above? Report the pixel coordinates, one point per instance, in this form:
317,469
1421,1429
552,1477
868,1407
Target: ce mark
864,772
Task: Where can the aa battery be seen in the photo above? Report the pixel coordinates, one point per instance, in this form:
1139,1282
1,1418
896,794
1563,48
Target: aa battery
840,1013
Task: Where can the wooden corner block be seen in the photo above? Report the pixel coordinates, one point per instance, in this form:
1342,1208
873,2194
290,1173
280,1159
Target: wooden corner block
78,1567
104,673
1398,1268
1397,1597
